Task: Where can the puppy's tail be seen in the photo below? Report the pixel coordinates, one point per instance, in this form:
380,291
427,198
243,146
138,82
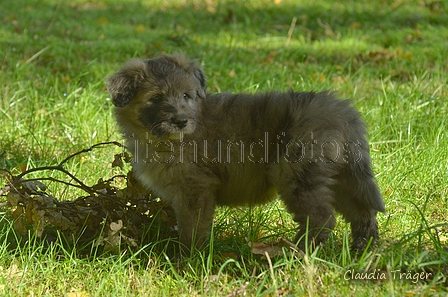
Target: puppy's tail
363,183
370,194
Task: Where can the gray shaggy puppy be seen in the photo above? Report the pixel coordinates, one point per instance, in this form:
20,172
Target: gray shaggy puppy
198,150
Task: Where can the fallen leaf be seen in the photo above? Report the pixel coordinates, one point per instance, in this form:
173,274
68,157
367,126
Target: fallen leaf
318,76
44,201
230,255
34,186
115,227
403,54
211,6
263,248
78,294
19,226
140,28
270,57
381,55
386,55
22,167
355,25
13,198
102,21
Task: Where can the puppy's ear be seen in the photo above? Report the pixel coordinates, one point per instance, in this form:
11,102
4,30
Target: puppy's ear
123,85
199,75
192,68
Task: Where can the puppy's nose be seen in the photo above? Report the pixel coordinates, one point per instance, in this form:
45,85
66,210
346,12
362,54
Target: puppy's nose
180,121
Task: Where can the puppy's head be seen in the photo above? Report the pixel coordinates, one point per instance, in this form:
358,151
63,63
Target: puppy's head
159,96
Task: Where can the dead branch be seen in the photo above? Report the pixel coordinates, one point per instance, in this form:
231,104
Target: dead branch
105,214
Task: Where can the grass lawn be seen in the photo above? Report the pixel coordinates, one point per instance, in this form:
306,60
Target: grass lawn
390,56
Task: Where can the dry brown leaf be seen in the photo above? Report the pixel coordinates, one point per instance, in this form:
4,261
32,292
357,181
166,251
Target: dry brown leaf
13,198
17,212
262,248
386,55
22,167
115,227
19,226
211,6
230,255
270,57
140,28
102,21
60,221
355,25
34,186
78,294
44,201
318,76
381,55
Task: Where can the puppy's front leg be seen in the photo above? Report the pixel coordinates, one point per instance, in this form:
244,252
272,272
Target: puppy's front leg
194,213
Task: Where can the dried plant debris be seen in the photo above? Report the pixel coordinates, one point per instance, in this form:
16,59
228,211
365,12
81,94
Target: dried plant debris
106,214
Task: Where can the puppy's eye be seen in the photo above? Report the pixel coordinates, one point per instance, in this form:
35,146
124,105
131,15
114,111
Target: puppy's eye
157,97
186,96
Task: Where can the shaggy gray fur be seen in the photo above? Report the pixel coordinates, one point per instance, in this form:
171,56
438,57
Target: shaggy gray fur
199,150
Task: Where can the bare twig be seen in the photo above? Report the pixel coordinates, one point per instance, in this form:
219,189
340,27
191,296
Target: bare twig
292,246
59,167
56,180
90,149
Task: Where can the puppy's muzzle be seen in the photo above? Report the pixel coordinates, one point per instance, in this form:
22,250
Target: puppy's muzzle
180,121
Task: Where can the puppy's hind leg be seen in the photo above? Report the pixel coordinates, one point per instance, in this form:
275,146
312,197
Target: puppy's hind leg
358,199
309,201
